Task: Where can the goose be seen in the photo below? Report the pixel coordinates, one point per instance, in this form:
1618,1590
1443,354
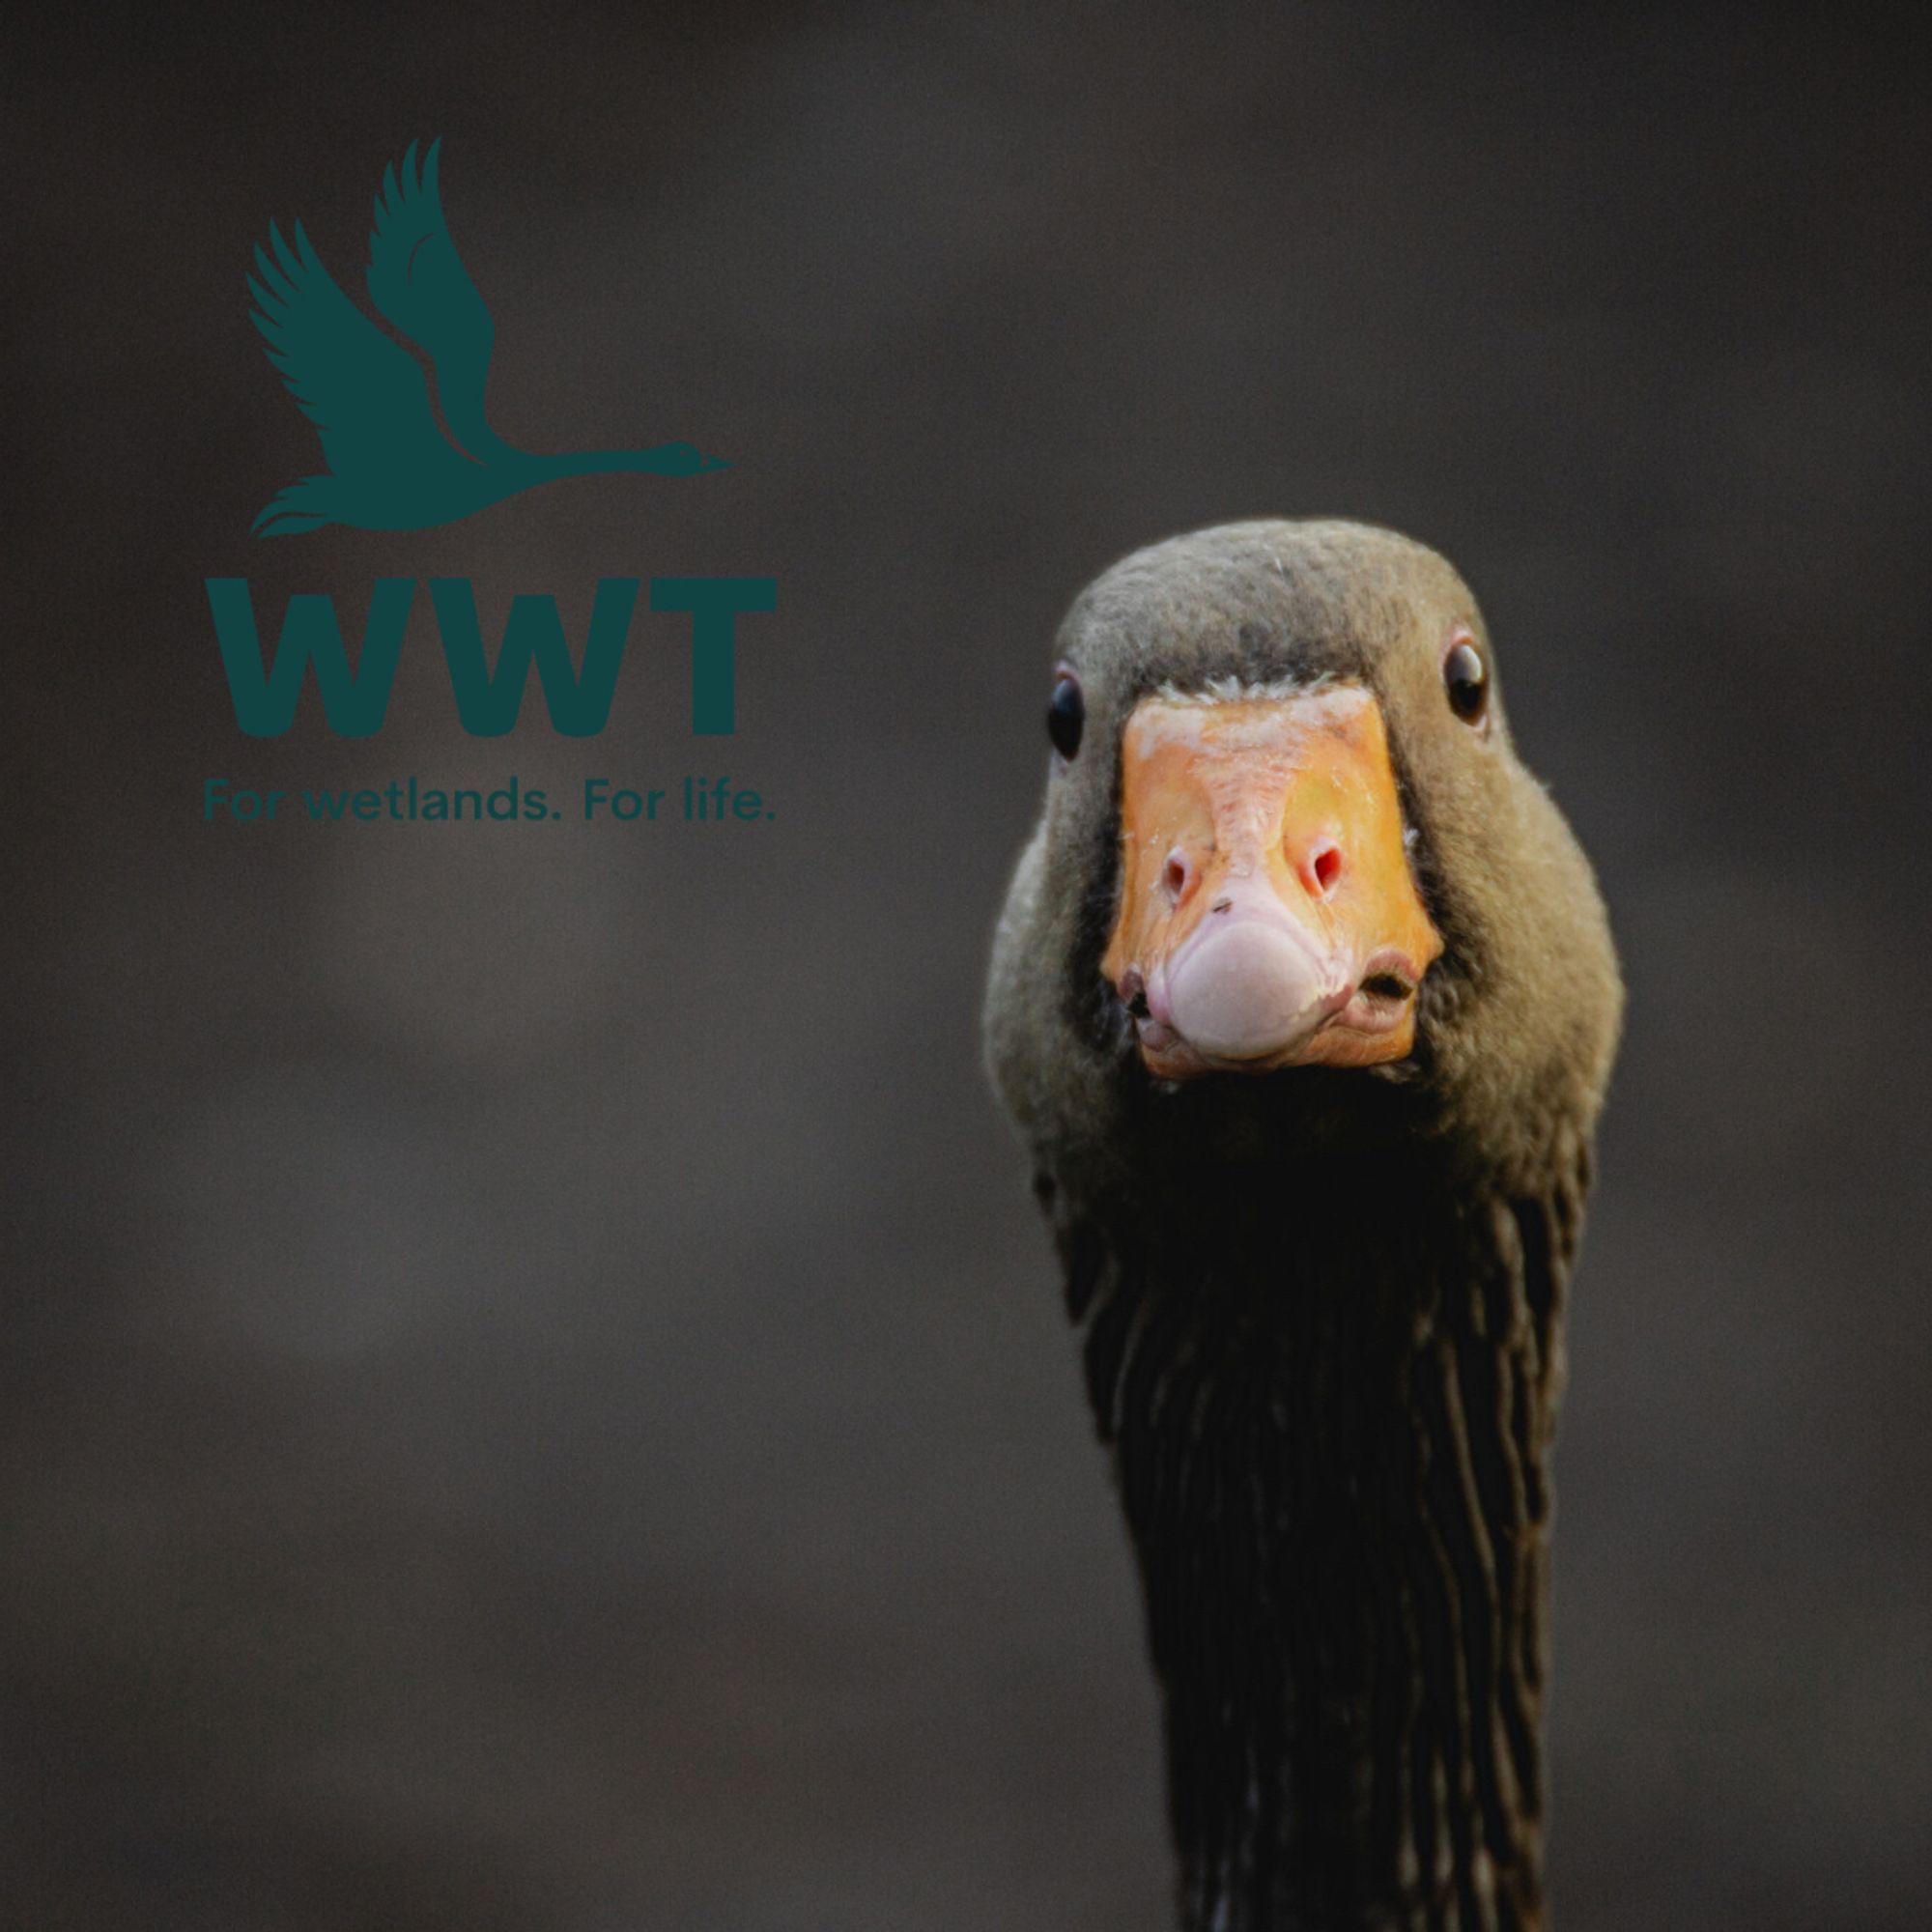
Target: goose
397,460
1303,1000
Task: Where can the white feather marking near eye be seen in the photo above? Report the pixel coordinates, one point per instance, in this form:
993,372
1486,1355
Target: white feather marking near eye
1326,703
1244,690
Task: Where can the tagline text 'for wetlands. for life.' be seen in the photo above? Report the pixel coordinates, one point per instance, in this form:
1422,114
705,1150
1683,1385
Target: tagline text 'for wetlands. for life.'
596,801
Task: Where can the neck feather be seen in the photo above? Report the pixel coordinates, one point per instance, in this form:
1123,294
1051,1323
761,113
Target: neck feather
1331,1445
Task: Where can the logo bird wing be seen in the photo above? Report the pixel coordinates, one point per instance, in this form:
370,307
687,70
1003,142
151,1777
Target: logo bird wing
366,395
417,280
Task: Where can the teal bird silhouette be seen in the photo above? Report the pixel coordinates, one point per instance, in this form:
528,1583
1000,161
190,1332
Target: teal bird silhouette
399,460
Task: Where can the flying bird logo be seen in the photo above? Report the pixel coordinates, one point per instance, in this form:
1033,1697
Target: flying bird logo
405,435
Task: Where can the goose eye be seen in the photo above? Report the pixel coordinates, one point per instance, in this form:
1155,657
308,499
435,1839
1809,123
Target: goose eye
1066,714
1467,679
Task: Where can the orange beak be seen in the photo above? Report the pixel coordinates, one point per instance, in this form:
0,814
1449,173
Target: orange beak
1268,917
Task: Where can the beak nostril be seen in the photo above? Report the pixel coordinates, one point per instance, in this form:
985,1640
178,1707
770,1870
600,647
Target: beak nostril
1326,864
1177,877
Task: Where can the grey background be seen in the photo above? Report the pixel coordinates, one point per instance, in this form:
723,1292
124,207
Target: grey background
532,1393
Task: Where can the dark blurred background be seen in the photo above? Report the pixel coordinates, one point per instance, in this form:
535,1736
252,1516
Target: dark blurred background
531,1392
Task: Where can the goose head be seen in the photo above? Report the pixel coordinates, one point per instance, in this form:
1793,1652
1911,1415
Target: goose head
1292,882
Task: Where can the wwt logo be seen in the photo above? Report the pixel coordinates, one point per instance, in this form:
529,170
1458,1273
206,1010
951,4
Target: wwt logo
404,433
